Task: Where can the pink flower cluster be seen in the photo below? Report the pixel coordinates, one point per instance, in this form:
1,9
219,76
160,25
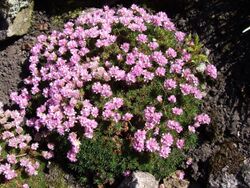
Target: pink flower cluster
86,118
198,121
104,90
29,167
5,169
16,143
162,143
110,109
211,71
152,118
139,140
75,147
67,76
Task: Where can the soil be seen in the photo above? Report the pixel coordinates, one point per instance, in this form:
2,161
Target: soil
219,23
226,143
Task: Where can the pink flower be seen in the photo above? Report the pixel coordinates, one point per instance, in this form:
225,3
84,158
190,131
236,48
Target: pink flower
189,161
139,140
180,174
174,125
104,90
211,71
142,38
10,174
170,84
41,38
152,145
119,57
180,143
160,71
159,98
191,129
202,119
125,47
126,173
165,151
171,53
153,45
156,131
159,58
175,68
148,76
177,111
72,44
152,118
50,146
127,117
179,36
47,154
29,167
71,156
25,185
11,158
34,146
172,99
167,139
117,73
22,99
186,89
197,124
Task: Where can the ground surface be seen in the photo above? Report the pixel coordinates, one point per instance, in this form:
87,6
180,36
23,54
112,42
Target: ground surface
219,24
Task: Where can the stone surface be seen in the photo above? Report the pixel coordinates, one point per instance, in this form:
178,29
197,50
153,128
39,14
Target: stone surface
174,182
219,24
15,17
14,53
22,22
225,180
57,178
245,173
140,180
10,70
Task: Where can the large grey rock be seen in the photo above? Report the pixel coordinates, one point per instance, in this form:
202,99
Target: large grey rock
140,180
15,17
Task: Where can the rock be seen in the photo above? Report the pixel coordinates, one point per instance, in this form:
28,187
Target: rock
21,23
56,177
245,173
225,180
10,69
174,182
140,180
201,155
3,35
15,17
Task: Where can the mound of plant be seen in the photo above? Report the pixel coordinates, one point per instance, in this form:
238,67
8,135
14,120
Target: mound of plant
122,87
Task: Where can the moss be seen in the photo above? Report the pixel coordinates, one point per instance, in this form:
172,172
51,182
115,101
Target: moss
59,20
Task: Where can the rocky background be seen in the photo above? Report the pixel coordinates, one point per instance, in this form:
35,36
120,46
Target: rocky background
222,158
